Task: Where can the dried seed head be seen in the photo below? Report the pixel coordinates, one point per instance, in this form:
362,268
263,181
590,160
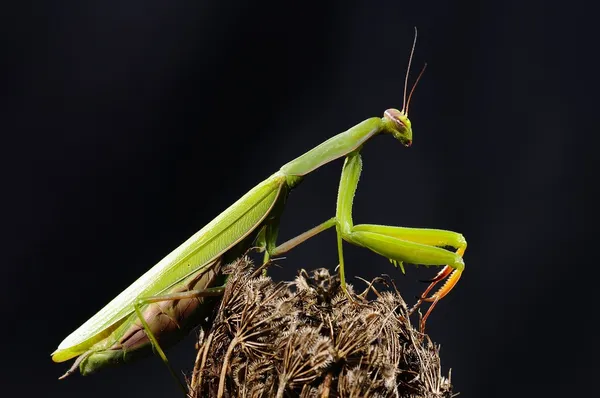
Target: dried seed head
308,338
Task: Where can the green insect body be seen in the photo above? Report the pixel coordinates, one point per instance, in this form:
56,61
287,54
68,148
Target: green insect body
168,299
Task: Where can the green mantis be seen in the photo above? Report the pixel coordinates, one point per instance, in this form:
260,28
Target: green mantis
168,299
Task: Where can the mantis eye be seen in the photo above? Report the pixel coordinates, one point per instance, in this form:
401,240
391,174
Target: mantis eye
395,116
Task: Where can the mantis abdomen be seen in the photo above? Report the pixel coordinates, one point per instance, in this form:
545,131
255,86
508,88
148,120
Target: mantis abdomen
168,320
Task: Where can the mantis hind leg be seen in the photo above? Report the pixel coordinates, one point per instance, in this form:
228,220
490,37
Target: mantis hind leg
215,291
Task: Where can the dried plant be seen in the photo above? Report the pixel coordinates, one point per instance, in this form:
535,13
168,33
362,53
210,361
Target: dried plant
307,338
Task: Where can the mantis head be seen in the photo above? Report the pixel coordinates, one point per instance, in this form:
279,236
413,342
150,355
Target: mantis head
397,123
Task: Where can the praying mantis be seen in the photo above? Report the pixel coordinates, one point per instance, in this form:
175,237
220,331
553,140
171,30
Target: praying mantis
167,301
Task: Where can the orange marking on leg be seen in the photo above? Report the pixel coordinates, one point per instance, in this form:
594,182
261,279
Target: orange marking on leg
440,294
452,276
441,275
446,287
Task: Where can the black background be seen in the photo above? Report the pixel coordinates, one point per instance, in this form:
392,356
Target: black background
128,125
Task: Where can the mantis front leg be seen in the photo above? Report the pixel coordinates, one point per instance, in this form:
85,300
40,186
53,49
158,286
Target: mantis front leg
399,244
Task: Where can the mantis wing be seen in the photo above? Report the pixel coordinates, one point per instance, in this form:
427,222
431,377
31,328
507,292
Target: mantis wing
212,241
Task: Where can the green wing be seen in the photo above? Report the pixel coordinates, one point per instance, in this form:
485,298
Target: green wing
218,236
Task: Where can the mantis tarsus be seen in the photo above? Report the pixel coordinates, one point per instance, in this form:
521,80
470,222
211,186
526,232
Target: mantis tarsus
166,301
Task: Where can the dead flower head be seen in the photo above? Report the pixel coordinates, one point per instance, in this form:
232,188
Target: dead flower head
308,338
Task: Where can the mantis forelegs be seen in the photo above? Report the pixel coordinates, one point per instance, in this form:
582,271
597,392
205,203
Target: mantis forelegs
399,244
417,246
453,276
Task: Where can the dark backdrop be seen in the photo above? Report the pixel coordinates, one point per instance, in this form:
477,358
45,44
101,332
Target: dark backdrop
128,125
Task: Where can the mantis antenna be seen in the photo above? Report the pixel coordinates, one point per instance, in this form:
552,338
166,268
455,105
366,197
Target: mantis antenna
405,102
413,88
412,51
